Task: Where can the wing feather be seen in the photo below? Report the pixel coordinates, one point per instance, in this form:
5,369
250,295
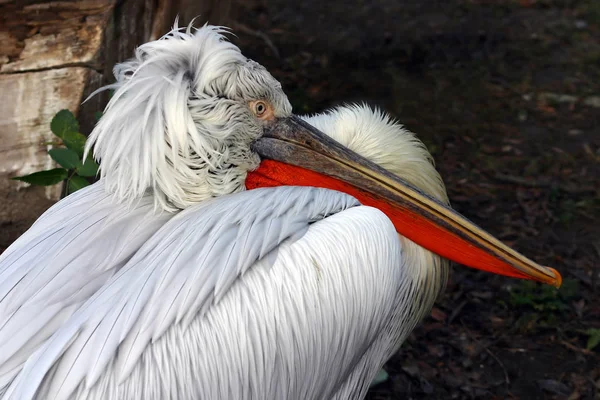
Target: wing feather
69,253
190,262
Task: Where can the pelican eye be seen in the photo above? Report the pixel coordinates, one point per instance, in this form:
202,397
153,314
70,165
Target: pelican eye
261,109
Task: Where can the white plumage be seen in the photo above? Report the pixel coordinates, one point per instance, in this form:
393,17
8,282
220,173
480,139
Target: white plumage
181,320
161,282
377,137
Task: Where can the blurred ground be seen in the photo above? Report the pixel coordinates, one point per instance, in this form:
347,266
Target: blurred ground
506,95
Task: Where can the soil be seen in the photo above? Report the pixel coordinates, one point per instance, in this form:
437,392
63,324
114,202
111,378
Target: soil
506,96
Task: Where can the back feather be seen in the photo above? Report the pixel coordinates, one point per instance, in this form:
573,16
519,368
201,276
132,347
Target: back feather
181,271
70,252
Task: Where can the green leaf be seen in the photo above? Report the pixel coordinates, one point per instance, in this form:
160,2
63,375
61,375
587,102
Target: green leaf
64,122
89,168
45,178
76,182
97,115
593,339
65,157
382,376
75,141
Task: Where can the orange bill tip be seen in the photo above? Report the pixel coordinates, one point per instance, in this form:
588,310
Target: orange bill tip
557,281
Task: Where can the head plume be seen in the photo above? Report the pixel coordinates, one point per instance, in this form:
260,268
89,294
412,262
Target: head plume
178,125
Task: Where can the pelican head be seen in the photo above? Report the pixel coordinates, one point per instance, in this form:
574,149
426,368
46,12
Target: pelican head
192,118
183,116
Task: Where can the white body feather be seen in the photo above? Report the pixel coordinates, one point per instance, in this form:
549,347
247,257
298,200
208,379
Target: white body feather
146,286
201,311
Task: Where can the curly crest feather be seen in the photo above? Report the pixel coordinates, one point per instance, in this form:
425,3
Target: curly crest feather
178,124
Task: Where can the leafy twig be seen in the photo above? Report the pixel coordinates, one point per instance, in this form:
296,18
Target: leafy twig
75,170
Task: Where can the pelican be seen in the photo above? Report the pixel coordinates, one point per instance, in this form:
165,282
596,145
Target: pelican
230,249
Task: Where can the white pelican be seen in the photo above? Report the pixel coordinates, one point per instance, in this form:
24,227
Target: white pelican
167,280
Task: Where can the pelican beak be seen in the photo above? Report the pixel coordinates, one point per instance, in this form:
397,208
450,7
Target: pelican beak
296,153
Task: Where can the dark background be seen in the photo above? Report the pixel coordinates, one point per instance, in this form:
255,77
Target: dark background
506,96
